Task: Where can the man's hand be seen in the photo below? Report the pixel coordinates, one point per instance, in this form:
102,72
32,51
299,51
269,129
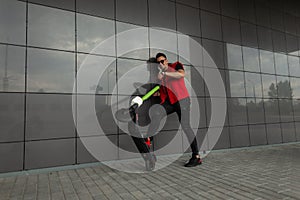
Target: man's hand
156,94
177,74
163,67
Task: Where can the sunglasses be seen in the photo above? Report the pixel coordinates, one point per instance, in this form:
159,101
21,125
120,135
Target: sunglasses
162,61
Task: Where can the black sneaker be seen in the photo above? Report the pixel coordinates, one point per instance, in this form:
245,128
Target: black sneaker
194,161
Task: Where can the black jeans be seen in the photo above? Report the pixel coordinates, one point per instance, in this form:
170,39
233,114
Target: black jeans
182,109
137,138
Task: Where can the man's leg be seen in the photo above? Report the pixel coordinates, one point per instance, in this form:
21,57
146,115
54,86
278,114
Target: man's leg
142,146
157,114
183,111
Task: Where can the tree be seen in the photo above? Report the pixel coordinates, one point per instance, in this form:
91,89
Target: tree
284,89
281,90
272,91
284,92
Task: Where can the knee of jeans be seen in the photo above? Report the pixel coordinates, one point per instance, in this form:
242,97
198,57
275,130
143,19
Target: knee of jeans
157,112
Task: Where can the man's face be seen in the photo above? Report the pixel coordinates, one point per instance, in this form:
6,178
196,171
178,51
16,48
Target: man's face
162,60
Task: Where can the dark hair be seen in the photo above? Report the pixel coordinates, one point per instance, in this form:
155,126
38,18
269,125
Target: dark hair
160,54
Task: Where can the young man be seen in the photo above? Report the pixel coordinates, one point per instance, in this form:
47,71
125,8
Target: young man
175,98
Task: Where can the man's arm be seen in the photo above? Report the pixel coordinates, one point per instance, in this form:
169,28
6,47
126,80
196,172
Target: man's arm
178,74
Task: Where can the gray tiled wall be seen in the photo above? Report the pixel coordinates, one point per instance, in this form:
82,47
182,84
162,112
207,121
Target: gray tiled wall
43,44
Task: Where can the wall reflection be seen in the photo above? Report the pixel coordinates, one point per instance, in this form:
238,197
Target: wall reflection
132,46
271,107
272,96
281,64
93,63
236,84
237,111
50,71
234,56
296,109
253,85
267,62
91,31
255,110
51,28
13,30
257,84
12,68
269,85
251,59
294,66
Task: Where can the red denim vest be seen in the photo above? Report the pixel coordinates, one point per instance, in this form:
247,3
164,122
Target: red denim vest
173,88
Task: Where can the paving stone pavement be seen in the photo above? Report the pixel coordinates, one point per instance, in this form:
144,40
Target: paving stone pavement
268,172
